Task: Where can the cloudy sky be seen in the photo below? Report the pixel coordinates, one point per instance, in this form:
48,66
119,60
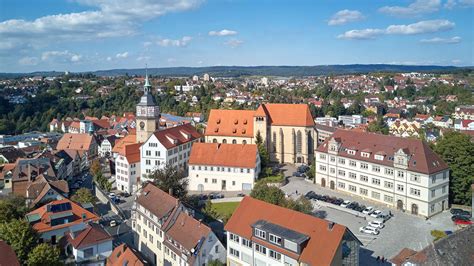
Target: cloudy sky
82,35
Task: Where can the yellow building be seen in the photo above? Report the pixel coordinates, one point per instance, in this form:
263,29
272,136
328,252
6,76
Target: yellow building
287,130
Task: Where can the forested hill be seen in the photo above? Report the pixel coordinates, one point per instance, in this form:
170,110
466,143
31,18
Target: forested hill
236,71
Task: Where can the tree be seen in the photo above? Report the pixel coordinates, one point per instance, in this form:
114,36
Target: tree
270,194
12,208
20,236
215,263
378,126
83,195
95,168
302,204
171,178
44,254
262,151
209,211
457,150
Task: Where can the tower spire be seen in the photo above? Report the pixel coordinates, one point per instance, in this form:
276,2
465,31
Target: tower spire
147,86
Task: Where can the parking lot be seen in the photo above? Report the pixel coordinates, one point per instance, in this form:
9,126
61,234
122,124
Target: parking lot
402,230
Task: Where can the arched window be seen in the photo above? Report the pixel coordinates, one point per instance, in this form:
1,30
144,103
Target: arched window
234,141
224,141
214,141
299,142
244,141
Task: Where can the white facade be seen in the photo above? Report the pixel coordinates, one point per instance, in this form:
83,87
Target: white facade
154,155
101,250
126,174
220,178
395,186
105,148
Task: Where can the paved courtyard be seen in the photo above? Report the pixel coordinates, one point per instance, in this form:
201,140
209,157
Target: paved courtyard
402,230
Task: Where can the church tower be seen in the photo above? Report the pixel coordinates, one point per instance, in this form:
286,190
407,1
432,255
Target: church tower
148,114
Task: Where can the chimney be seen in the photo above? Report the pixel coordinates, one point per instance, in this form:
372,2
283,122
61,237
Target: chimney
330,225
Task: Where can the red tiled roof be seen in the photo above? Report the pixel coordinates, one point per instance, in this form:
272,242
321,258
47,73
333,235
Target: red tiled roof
124,255
122,142
224,155
238,123
281,114
174,136
7,255
151,195
80,142
323,243
187,231
131,152
93,234
421,158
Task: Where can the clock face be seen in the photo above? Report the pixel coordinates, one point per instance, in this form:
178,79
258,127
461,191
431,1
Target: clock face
142,125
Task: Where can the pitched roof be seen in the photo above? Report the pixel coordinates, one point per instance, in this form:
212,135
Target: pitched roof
7,255
80,142
282,114
11,153
93,234
174,136
238,123
131,152
42,216
187,231
422,158
224,155
125,255
322,244
151,195
38,189
120,143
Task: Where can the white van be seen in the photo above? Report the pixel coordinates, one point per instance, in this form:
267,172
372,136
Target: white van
376,224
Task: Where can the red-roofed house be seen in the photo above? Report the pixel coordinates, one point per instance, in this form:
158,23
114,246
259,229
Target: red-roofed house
54,219
227,167
286,129
260,233
125,255
399,172
127,167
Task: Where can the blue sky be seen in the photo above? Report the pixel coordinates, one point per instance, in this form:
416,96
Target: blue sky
82,35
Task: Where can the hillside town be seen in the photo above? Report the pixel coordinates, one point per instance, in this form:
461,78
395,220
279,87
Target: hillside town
320,178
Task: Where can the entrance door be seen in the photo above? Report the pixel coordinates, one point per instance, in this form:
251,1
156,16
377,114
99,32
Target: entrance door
332,185
200,187
414,209
223,185
323,182
399,204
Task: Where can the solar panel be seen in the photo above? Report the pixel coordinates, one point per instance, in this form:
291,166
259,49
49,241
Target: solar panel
61,207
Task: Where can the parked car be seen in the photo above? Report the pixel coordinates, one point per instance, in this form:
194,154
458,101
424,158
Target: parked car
368,210
297,174
345,203
338,201
310,195
354,205
369,230
384,217
462,220
376,214
455,211
376,224
113,223
111,195
302,168
459,217
360,208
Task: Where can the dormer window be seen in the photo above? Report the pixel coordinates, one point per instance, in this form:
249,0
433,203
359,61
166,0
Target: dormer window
245,121
365,154
274,239
351,152
236,122
379,157
218,121
260,233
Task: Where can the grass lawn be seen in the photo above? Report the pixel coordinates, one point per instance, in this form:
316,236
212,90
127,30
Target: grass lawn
225,209
272,179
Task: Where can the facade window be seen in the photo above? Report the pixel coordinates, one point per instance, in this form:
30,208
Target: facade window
433,179
414,191
341,185
246,243
364,166
352,175
158,244
363,191
234,238
376,181
445,175
400,188
400,174
415,178
444,189
261,249
299,142
433,193
322,156
274,239
388,171
342,161
333,159
150,238
233,183
432,207
388,198
234,252
352,188
148,153
364,178
274,255
376,168
205,180
388,184
214,181
332,170
375,195
341,173
260,233
322,167
352,163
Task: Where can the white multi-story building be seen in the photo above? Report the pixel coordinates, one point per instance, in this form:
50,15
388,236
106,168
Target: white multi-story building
223,167
260,233
352,120
399,172
168,146
166,233
127,168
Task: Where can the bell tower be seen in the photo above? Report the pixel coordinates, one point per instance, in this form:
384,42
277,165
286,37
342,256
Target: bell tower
148,114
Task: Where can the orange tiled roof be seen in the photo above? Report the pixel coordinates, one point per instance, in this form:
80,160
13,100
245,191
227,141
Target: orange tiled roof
322,245
238,123
123,254
93,234
178,135
131,152
80,142
224,155
121,143
281,114
44,224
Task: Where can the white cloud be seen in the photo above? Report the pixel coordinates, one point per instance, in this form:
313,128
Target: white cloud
364,34
426,26
143,58
345,16
452,40
107,18
234,43
109,58
450,4
223,32
122,55
416,8
177,43
28,61
171,60
64,56
146,44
